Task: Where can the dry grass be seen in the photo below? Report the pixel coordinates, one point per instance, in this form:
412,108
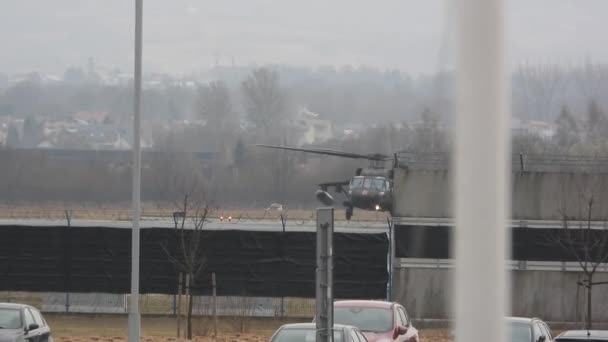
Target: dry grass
123,213
220,338
109,328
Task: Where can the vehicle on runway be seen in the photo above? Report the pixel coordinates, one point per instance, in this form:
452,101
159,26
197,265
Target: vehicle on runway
370,189
20,322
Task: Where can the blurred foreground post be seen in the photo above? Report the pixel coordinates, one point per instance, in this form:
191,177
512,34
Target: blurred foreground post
134,316
482,172
324,277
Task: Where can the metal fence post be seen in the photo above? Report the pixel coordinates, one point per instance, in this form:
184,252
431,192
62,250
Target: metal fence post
174,304
283,297
214,285
324,275
391,259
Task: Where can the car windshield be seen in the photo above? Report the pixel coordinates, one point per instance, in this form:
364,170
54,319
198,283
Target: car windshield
520,332
302,335
366,319
10,319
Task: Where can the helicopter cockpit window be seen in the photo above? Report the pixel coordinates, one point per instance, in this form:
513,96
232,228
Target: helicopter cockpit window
378,184
357,182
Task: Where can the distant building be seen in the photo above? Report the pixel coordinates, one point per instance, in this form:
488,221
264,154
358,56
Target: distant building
313,129
91,117
119,143
541,129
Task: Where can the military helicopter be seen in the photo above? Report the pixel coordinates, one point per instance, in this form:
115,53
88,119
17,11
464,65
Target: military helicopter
370,189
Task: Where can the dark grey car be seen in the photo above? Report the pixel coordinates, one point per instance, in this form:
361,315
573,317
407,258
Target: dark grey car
583,335
21,323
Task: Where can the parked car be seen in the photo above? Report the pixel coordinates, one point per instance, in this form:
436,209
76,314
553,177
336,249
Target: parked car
20,323
583,335
306,332
379,321
529,330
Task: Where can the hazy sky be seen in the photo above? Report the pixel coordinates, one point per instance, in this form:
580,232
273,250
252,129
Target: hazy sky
186,35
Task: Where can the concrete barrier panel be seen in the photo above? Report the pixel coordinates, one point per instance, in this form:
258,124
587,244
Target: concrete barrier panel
550,295
535,195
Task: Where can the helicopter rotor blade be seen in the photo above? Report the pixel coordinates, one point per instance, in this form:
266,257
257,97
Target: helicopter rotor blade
377,156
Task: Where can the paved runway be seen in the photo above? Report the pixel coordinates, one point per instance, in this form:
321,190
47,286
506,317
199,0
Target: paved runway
215,224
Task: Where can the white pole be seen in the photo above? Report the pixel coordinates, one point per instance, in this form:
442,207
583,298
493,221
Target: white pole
482,172
134,315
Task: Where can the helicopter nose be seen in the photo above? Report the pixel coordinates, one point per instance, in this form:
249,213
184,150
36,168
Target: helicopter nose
324,197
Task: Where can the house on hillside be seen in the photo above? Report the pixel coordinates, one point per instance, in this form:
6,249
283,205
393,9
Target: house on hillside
312,128
90,117
542,129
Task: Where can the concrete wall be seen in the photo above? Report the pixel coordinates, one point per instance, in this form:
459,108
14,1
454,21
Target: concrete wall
550,295
536,195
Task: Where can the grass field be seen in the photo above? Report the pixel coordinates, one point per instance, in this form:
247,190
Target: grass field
113,328
123,212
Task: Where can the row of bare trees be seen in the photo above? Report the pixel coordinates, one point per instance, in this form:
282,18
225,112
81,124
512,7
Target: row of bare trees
540,90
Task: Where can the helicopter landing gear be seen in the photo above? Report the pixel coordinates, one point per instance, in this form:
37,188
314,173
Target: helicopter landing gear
349,213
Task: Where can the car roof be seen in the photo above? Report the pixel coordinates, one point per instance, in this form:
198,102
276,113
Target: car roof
13,306
582,334
312,326
363,303
523,319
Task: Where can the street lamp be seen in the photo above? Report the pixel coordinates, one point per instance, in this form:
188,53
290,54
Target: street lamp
134,315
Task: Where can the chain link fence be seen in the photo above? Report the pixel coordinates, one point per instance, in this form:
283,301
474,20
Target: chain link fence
152,304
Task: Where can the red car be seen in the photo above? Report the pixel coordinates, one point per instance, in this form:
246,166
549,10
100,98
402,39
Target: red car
379,321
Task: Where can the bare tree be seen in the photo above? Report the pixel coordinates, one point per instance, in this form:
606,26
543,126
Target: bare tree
585,244
188,257
596,126
215,106
243,309
68,216
591,80
428,137
214,103
267,108
264,100
567,130
539,85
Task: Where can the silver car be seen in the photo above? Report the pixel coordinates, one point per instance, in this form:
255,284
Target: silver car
306,332
20,323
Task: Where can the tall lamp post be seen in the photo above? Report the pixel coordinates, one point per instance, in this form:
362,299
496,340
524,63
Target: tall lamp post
134,315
